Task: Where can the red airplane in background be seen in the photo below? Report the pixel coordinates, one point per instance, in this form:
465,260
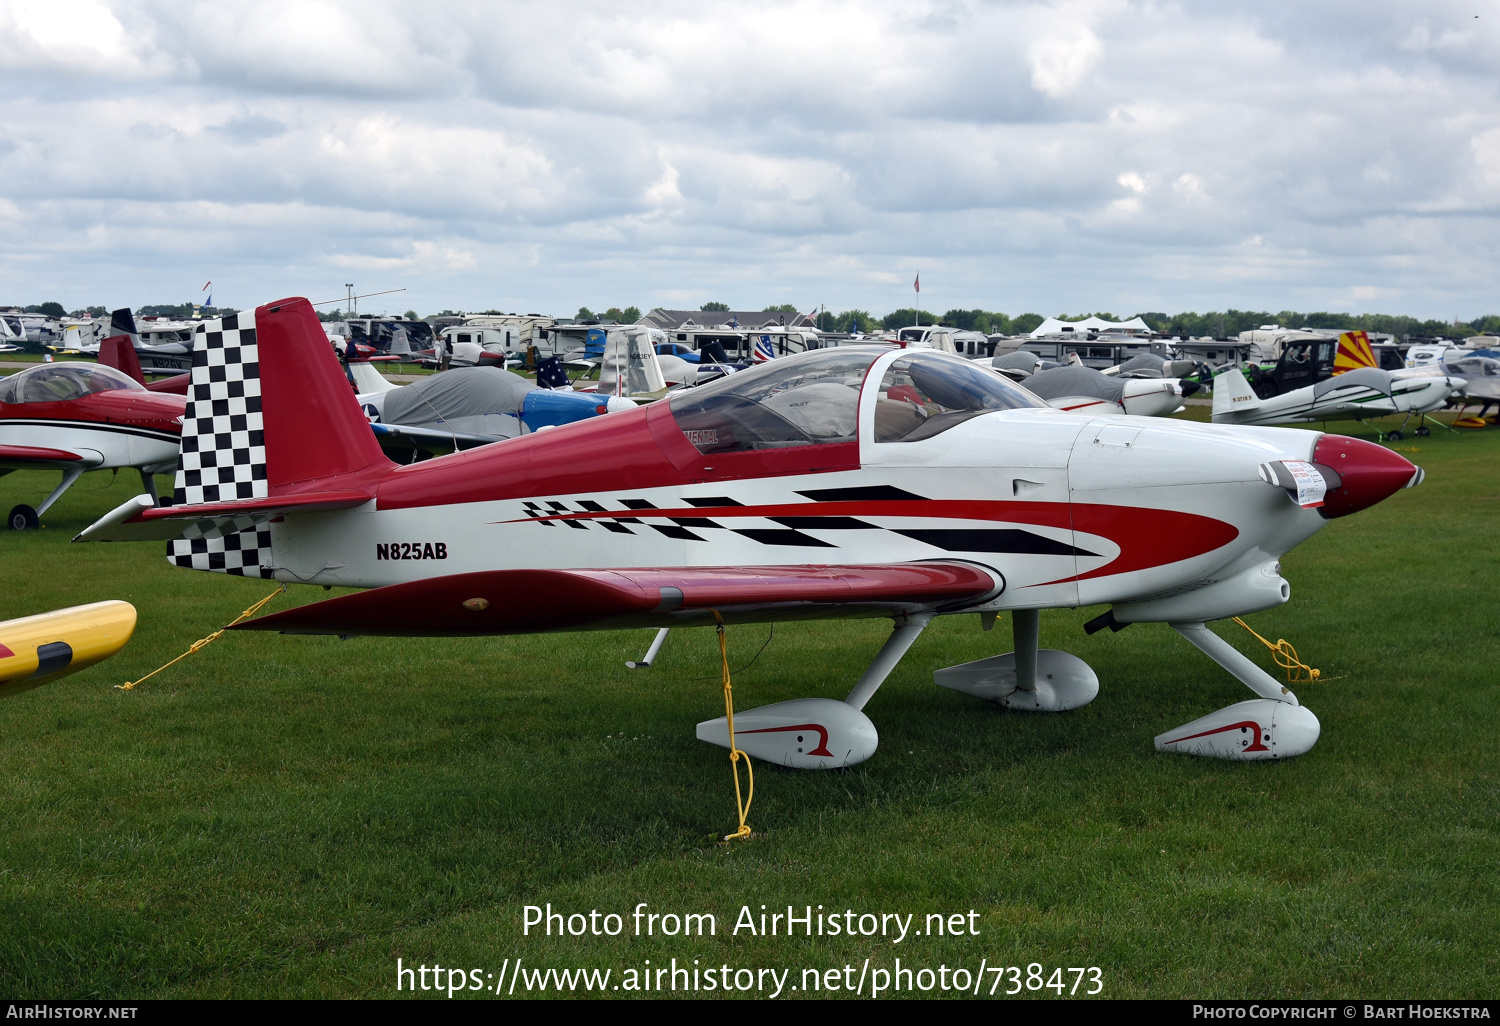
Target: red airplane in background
76,417
118,351
861,481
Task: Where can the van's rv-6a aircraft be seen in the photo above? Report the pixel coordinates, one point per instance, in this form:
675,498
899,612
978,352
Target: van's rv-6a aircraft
848,482
77,417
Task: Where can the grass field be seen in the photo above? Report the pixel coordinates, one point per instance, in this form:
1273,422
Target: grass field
282,816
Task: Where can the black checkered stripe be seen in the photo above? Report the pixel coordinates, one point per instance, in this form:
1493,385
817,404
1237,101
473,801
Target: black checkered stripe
223,437
229,545
636,517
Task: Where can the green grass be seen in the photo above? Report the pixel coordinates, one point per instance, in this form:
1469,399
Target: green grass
281,816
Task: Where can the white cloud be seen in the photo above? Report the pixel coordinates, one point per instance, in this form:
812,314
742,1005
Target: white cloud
1060,61
1088,153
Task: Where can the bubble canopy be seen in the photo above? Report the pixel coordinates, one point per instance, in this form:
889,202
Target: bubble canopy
60,382
813,399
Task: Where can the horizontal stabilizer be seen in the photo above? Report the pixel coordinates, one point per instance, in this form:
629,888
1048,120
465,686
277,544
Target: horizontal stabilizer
532,601
307,502
139,519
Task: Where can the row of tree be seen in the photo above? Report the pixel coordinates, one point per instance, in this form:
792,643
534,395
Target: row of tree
629,315
1225,324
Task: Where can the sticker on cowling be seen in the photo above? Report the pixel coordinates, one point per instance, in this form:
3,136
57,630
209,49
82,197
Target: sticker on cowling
1306,478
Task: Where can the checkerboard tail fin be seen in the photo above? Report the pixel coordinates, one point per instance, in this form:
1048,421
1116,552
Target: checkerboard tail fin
269,414
269,411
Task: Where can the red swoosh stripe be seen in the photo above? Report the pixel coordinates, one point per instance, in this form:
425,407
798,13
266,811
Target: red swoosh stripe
1146,537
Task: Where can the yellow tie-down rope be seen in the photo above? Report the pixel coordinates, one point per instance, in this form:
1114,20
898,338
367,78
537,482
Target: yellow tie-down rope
1297,672
741,803
202,642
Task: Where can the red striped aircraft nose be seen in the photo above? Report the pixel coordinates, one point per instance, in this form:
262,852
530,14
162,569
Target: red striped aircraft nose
1368,473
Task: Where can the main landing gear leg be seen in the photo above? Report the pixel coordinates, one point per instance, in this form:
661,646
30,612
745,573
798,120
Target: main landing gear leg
819,733
1273,726
1030,678
644,664
23,518
69,476
1398,434
148,482
907,630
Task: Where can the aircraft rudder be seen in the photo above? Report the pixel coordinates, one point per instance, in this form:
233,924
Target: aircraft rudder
118,351
305,395
122,322
1354,352
1232,394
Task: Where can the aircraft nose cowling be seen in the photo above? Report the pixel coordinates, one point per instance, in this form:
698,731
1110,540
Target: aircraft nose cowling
1368,473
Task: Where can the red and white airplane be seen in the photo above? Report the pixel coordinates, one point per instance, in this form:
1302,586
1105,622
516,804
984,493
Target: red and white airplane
848,482
76,417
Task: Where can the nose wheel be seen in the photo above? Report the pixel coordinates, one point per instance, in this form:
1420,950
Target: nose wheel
23,518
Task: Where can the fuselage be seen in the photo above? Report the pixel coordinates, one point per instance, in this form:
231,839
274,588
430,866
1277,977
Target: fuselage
1356,394
115,428
1067,510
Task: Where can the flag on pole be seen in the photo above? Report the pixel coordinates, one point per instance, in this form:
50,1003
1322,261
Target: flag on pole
210,300
918,283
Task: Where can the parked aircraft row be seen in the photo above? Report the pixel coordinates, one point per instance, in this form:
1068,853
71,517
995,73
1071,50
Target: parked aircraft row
471,407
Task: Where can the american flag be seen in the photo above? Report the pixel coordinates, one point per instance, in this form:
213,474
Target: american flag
918,283
763,350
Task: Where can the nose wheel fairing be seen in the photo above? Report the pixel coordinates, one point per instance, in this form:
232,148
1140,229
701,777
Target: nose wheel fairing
1061,681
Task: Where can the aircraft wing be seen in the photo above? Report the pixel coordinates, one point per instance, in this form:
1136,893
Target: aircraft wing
435,440
531,601
34,457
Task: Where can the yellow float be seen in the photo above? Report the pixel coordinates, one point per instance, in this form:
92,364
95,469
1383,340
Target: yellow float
36,650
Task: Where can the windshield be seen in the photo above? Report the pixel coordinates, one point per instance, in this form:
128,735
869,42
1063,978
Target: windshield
808,399
58,382
925,394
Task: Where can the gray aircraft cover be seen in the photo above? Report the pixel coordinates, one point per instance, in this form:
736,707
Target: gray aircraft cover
1060,382
472,400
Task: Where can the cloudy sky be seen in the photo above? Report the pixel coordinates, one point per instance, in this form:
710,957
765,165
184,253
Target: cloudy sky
537,156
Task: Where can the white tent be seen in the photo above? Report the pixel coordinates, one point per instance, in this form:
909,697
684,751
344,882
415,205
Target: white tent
1053,326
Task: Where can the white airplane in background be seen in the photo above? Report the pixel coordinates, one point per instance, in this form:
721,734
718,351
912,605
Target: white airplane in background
811,487
1075,388
1355,395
